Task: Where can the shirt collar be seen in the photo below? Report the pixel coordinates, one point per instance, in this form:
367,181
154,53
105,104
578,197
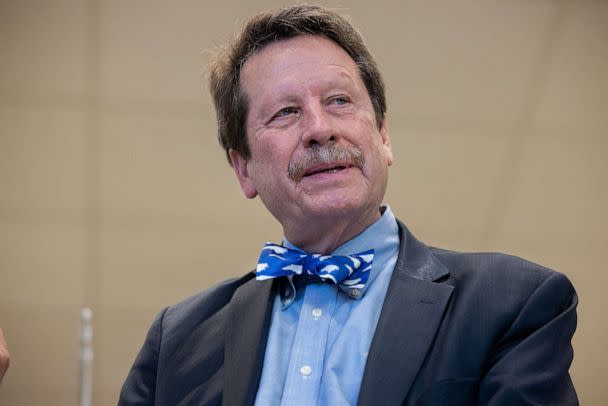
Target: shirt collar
382,236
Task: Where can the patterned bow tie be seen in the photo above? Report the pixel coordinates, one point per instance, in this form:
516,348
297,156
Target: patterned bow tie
349,272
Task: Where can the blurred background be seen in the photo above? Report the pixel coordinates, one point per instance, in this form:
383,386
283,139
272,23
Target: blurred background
115,194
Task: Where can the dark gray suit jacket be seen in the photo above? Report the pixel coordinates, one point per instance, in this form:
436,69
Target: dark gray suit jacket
455,329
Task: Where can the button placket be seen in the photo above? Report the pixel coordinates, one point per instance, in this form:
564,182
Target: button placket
308,352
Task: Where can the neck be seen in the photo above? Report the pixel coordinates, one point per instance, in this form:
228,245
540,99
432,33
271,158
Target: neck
323,236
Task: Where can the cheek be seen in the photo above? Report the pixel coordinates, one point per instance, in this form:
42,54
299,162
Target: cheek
269,164
274,154
378,157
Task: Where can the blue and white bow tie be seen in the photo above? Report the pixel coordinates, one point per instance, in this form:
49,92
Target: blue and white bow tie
349,272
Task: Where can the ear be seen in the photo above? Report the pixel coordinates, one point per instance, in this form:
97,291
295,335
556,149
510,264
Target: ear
386,142
239,164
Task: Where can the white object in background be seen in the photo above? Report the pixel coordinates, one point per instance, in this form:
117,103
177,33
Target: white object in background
86,357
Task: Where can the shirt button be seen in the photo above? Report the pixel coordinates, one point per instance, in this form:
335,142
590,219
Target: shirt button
317,312
306,370
355,292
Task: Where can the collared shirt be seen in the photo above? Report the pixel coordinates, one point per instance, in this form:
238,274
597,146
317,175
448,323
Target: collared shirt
319,337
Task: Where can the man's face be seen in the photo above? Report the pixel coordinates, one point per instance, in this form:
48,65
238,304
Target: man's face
316,149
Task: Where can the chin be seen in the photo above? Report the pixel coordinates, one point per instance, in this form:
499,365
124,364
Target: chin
336,206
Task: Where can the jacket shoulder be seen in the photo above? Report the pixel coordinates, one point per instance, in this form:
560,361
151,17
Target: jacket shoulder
491,265
503,277
204,304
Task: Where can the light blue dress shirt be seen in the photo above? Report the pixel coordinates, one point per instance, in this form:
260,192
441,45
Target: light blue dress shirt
319,337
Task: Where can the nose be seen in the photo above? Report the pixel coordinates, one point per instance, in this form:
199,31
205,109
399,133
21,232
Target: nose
318,127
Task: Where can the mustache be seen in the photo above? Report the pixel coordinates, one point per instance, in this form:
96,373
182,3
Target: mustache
319,154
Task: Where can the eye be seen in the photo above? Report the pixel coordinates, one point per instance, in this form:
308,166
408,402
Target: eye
286,112
339,100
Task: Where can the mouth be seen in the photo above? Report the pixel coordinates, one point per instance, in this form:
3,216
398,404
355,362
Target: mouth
325,168
325,162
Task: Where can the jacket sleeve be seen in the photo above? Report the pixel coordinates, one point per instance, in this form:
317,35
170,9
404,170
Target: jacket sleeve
140,386
530,363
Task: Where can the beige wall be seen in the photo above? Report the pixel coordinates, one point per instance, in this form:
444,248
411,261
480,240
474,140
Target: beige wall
115,194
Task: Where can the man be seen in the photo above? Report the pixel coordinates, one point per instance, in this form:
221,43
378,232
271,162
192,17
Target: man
351,308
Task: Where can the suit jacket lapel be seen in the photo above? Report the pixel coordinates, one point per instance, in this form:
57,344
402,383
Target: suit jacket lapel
246,335
411,314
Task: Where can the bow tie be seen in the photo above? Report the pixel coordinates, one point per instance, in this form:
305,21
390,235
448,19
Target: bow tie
349,272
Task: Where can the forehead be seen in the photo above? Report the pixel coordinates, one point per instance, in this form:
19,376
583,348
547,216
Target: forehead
299,56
